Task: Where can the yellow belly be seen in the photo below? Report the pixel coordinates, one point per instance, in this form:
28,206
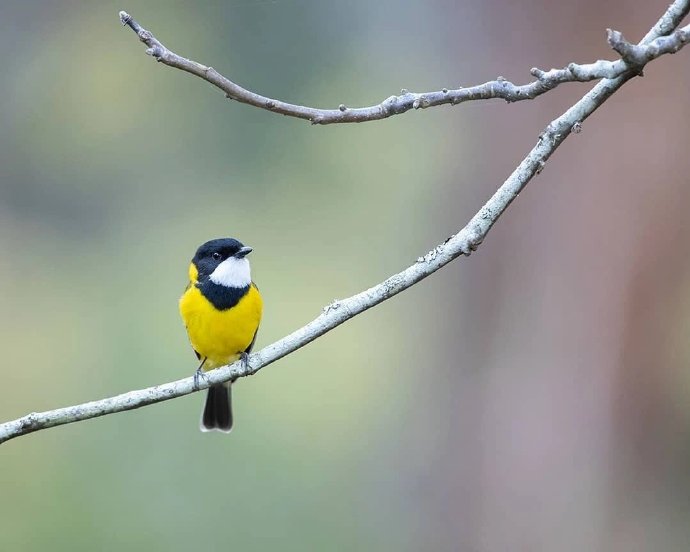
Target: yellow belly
220,336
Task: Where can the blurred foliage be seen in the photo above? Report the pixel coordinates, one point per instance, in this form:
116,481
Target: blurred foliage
481,410
113,171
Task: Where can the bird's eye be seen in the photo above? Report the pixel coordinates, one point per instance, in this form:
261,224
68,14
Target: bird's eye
216,256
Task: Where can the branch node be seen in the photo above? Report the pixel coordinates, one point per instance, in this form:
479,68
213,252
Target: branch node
420,103
30,421
156,52
683,37
473,239
635,56
342,107
577,127
335,305
145,35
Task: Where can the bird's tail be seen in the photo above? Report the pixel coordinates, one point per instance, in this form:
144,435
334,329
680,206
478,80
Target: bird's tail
217,414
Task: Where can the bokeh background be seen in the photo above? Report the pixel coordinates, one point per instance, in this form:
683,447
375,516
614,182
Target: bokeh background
533,397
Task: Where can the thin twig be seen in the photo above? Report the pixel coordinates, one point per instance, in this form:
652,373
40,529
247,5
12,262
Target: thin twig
634,58
463,243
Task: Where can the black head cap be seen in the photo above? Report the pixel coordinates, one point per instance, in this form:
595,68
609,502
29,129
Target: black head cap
214,252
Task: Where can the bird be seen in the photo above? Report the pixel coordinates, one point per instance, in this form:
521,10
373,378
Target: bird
221,308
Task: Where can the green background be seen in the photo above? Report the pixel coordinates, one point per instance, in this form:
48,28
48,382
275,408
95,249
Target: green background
532,397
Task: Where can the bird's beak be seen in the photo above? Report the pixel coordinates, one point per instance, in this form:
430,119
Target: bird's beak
242,253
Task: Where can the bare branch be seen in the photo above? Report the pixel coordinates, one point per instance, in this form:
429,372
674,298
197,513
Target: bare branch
462,243
634,58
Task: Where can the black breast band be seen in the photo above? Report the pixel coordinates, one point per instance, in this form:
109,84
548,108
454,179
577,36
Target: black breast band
222,297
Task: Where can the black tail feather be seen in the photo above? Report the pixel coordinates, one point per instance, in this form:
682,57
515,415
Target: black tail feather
217,413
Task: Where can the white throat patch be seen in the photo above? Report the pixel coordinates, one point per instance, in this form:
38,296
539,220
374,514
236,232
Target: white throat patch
233,273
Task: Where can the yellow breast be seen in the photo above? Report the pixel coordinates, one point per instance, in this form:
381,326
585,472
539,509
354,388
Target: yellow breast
220,335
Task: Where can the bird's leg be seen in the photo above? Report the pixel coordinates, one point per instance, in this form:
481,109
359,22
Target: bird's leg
244,360
199,374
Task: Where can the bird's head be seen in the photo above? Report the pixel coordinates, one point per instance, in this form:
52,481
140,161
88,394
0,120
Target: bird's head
223,261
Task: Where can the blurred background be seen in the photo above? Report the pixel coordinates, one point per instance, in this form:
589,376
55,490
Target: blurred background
532,397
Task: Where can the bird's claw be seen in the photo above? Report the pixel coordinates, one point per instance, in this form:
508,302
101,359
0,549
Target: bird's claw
244,362
199,375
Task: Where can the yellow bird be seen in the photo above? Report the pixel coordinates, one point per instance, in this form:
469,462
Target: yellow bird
221,309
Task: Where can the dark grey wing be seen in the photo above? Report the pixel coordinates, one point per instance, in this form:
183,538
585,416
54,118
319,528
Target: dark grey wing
198,356
251,345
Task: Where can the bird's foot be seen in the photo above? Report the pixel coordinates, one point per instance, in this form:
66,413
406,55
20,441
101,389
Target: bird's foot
199,374
244,361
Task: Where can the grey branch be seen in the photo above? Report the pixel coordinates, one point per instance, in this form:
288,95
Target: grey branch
462,243
633,59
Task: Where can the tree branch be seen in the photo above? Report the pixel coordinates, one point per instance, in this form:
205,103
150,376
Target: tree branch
634,58
462,243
